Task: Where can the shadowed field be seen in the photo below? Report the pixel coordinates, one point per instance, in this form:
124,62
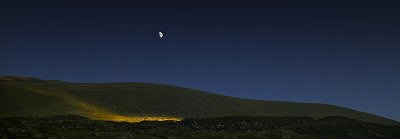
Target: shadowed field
232,127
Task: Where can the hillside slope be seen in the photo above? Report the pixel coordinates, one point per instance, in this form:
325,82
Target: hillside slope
21,96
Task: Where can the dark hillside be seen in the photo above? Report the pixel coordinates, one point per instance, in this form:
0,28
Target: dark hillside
116,101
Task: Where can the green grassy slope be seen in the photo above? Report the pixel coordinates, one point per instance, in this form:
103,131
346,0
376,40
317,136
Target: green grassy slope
21,96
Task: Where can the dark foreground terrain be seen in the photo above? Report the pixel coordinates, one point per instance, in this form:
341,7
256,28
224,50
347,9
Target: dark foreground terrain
71,126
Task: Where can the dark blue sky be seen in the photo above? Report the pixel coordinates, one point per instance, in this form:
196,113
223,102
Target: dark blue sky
345,53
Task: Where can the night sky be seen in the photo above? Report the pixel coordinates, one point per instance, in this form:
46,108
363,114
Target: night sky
345,53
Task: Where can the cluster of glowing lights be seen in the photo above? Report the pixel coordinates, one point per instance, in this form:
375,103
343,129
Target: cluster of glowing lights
97,113
131,119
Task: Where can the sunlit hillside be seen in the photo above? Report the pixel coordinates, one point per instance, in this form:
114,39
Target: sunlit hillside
132,102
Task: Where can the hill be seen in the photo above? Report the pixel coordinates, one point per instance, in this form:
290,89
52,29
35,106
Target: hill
30,97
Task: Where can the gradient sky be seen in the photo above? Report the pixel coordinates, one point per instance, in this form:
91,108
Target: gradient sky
345,53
